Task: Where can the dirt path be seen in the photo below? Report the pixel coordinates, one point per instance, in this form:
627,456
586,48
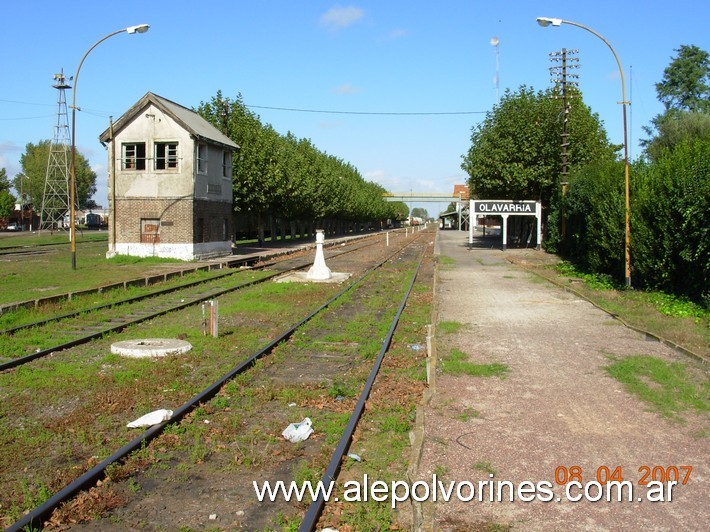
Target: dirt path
556,407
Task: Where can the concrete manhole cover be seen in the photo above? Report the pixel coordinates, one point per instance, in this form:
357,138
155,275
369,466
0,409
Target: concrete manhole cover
150,347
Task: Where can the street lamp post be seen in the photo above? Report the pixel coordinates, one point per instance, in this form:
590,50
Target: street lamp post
545,21
141,28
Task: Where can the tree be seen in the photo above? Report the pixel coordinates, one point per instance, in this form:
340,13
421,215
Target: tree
4,181
672,128
289,178
685,93
686,81
419,212
34,173
7,200
594,207
671,244
515,151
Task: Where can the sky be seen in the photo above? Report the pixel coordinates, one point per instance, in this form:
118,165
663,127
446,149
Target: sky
392,87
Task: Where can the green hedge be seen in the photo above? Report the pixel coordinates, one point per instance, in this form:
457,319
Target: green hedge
670,219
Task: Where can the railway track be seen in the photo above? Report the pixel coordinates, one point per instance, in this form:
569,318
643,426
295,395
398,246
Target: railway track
20,345
23,251
374,286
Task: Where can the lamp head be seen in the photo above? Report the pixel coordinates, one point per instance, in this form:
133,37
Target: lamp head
141,28
546,21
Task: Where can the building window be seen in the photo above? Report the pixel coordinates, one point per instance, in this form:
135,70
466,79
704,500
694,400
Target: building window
226,164
150,231
133,156
202,158
166,155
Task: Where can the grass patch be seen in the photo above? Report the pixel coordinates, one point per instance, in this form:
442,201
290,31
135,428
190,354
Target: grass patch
668,388
485,466
449,327
598,281
445,261
441,471
677,307
679,320
456,364
468,414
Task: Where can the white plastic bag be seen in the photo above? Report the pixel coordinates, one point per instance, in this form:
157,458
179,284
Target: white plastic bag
153,418
296,432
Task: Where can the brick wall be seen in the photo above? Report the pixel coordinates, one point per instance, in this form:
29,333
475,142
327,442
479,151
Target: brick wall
179,219
214,215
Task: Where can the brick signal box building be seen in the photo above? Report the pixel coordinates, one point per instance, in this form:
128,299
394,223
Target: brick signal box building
170,183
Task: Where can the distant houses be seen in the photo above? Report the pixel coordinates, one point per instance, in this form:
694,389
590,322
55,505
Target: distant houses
170,183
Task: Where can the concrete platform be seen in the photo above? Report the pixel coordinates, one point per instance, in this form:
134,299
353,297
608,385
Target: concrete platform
300,277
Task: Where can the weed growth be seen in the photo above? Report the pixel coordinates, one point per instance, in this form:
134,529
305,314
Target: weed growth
449,327
456,364
668,388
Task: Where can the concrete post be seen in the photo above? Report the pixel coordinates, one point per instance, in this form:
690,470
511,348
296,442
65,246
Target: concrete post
319,271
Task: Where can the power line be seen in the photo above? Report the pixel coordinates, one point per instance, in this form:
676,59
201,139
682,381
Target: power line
97,112
364,112
26,117
28,103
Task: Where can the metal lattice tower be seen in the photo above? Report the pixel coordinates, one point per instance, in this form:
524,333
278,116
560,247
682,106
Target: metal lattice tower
561,76
55,200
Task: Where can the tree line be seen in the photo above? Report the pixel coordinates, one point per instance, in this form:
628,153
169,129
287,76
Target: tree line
281,182
515,153
288,181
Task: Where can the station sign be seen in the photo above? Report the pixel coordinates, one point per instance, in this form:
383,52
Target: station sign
504,207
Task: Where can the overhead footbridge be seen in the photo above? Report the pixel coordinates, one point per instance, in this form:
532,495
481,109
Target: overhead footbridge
423,197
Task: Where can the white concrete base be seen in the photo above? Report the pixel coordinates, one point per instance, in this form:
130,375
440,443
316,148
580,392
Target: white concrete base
150,347
202,251
302,277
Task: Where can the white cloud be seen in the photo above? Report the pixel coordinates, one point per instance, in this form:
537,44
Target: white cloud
347,88
374,175
9,158
338,17
404,185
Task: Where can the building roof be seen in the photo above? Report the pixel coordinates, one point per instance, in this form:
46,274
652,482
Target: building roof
187,118
461,189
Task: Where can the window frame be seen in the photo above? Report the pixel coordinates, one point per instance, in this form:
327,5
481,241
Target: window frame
169,161
226,164
133,162
202,159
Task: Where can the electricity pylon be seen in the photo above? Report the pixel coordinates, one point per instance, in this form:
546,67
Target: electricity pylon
55,200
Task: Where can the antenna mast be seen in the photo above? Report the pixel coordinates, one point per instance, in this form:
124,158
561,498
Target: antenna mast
495,41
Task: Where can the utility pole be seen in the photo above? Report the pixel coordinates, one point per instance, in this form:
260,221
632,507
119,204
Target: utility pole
561,78
55,200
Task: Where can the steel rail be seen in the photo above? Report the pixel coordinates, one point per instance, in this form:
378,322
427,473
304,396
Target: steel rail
310,520
127,323
232,263
126,301
30,248
229,263
36,517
